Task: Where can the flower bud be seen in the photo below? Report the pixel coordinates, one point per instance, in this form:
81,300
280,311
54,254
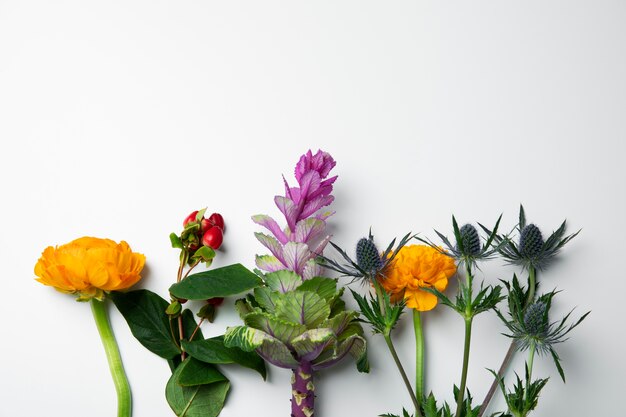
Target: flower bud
174,308
530,241
470,240
367,256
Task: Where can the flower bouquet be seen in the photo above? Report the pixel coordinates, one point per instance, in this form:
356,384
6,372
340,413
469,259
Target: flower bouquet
294,316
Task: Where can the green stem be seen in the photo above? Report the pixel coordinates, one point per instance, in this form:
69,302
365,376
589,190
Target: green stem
113,356
394,354
381,297
532,285
419,354
531,357
466,351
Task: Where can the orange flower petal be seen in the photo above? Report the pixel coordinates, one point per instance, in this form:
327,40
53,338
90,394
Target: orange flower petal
88,266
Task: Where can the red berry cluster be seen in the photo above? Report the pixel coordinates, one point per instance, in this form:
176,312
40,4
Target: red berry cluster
211,231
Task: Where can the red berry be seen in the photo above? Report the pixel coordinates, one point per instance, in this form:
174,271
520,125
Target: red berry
213,238
217,220
206,224
190,218
217,301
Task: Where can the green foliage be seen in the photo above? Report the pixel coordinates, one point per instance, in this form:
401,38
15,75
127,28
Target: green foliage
533,251
176,242
303,324
214,351
194,372
524,396
468,249
205,400
383,318
144,311
486,299
360,268
283,280
221,282
429,408
539,333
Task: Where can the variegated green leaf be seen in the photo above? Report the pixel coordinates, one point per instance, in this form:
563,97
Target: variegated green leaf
305,308
326,288
268,347
354,345
282,330
340,321
283,281
311,343
266,298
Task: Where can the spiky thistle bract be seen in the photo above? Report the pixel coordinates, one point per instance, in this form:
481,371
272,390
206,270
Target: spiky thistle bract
469,247
532,250
531,327
430,408
525,394
369,264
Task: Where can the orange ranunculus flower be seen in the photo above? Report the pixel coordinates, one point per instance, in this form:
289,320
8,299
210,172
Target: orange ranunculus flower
416,267
89,266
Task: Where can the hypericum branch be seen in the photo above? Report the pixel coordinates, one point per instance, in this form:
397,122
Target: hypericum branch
122,387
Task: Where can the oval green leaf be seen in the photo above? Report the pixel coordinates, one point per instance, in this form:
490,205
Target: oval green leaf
220,282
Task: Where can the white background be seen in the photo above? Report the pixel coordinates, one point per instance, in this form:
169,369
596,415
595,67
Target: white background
118,118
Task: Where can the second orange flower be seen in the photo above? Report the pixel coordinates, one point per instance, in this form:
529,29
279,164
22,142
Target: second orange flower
416,267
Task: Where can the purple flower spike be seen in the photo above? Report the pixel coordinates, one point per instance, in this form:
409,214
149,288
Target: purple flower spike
321,162
291,247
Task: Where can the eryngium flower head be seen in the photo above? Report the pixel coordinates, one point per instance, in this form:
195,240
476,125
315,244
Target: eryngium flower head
531,327
530,241
367,256
536,319
368,265
469,247
532,251
89,267
470,239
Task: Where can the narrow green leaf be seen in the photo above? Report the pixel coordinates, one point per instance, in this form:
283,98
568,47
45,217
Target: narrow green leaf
144,311
220,282
195,372
557,363
214,351
197,401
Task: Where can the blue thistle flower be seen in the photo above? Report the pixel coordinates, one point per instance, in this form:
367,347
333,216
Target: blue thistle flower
532,251
531,328
369,263
469,247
